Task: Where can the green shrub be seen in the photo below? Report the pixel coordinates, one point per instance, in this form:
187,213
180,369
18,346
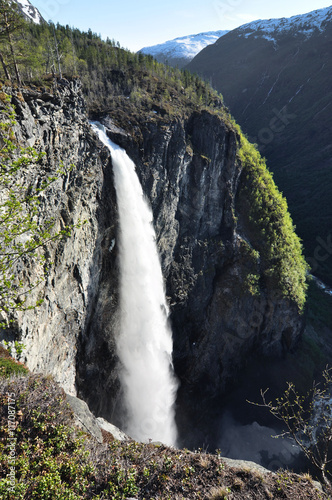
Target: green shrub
265,213
10,367
50,461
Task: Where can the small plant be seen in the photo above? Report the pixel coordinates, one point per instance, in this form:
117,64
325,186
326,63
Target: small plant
204,461
19,347
153,464
15,350
168,463
219,493
146,472
251,284
188,470
307,477
123,483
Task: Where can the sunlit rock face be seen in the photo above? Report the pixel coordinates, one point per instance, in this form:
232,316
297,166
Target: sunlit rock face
56,123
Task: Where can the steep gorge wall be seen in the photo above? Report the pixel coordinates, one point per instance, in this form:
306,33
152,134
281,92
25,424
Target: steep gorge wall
190,173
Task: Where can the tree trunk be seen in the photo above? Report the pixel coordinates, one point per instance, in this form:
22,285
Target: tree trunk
325,478
4,67
57,53
17,73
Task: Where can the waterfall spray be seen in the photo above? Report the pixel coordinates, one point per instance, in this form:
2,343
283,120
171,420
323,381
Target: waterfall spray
144,344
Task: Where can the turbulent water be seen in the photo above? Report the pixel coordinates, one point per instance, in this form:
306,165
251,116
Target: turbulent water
144,344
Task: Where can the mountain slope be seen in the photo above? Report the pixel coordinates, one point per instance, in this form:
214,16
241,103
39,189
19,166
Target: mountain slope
30,12
181,51
301,25
275,77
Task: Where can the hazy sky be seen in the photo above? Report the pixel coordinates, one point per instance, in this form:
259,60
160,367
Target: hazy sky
136,24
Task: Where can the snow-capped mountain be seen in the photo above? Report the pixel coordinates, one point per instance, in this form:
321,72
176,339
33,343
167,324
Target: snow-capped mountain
182,50
271,29
29,11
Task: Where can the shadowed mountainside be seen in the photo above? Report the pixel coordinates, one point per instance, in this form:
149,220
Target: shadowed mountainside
275,77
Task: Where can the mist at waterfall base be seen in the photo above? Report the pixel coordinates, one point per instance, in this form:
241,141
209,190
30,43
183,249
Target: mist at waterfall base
243,431
257,443
144,343
242,435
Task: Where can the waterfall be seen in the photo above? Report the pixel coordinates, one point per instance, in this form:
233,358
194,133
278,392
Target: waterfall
144,343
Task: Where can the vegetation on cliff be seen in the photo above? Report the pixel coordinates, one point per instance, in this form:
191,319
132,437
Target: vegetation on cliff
113,78
265,214
8,366
54,460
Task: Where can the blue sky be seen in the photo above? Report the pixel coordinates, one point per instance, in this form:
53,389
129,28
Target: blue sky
136,24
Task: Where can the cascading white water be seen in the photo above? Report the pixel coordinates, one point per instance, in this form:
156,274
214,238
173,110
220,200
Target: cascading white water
144,344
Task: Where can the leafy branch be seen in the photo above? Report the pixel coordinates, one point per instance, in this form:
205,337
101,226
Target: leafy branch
308,420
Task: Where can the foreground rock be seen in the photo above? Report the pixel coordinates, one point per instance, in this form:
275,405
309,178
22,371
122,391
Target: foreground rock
92,425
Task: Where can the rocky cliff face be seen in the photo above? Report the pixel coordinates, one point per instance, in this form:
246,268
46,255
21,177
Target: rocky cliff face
190,172
57,124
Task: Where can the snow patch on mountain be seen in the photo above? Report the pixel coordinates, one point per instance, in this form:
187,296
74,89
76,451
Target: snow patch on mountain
186,47
29,11
305,24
